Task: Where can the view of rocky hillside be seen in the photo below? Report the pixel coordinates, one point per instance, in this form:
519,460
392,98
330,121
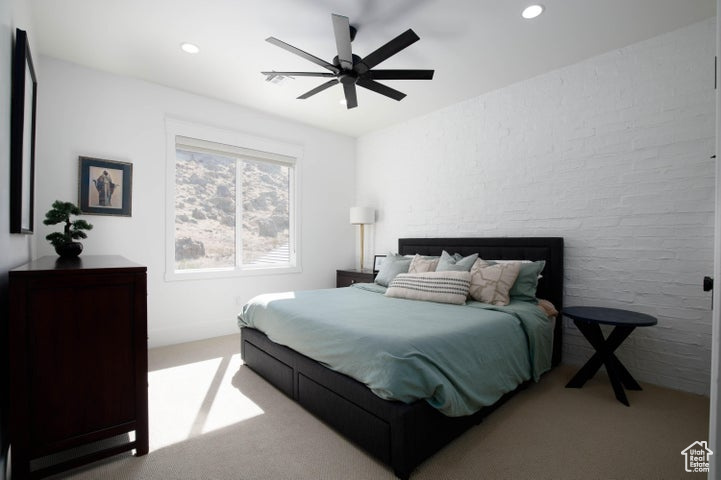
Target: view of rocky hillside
205,210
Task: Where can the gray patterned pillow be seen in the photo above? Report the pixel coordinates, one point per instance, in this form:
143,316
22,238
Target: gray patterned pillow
442,287
491,283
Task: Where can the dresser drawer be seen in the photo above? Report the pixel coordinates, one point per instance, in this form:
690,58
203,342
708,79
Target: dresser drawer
346,278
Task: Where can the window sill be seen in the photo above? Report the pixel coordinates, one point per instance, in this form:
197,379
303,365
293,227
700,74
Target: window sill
214,273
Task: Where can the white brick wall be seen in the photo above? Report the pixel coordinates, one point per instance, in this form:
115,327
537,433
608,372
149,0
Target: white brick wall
611,153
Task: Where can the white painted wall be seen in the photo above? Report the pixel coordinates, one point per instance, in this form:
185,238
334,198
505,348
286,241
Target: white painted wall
611,153
90,113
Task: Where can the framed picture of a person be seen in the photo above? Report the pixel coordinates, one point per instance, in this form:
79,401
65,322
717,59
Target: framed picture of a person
105,187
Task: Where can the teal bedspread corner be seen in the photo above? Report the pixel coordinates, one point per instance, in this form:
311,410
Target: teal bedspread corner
538,329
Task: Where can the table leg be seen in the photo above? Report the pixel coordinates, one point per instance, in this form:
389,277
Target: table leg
617,373
614,340
614,377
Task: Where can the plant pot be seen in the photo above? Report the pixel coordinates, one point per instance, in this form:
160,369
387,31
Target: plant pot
69,250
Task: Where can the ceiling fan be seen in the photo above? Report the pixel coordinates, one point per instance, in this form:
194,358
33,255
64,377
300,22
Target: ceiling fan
351,70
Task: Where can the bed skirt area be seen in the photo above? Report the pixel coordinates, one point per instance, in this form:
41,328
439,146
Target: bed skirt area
398,434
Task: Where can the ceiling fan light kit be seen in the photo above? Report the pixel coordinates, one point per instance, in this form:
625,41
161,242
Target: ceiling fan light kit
532,11
350,70
190,48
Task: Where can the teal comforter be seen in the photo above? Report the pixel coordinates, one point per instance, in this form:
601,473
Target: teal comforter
458,358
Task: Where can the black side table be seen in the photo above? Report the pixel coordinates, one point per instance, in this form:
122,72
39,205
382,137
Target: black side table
589,320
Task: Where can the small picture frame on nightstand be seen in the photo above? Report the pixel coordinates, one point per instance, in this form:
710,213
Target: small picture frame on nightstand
377,261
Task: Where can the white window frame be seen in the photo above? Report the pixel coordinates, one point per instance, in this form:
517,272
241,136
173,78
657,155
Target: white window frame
254,147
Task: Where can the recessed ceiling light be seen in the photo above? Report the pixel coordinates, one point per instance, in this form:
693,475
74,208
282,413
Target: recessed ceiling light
532,11
189,48
342,101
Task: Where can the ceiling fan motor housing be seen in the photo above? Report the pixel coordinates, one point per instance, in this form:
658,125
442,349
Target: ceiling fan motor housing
348,77
356,60
353,31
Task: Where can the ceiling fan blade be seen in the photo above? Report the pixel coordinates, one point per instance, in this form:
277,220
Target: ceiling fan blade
301,53
298,74
388,50
318,89
351,97
341,30
399,74
380,88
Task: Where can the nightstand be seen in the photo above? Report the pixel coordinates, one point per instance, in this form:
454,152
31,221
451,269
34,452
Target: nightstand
589,320
346,278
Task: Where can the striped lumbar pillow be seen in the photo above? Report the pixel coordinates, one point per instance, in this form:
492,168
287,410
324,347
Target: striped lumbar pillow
443,287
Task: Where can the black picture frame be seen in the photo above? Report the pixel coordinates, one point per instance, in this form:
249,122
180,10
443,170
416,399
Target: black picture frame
105,187
377,260
22,137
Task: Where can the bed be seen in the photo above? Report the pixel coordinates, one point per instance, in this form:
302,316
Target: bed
402,435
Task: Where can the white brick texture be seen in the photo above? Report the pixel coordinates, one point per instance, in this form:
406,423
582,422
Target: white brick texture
612,154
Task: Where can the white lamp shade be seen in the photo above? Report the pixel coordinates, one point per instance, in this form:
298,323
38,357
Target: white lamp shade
362,215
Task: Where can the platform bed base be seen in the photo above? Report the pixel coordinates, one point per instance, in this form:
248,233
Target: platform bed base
400,435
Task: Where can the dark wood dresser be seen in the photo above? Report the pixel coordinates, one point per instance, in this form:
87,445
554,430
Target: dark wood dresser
78,362
346,278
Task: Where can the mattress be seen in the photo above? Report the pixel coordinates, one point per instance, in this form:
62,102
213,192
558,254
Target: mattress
458,358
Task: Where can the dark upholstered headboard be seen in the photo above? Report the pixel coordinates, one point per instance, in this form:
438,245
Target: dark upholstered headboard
550,249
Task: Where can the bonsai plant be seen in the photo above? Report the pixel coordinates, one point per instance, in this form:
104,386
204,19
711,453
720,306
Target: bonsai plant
64,243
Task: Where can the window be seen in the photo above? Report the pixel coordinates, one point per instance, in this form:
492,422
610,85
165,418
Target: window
233,203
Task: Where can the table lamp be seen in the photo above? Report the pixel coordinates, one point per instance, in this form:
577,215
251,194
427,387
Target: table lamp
362,216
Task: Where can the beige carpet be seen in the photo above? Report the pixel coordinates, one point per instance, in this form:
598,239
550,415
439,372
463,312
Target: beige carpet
212,418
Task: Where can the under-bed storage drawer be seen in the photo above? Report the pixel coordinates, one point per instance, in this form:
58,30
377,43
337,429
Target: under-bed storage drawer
346,417
276,372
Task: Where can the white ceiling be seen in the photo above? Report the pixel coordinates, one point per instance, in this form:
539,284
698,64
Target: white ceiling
474,46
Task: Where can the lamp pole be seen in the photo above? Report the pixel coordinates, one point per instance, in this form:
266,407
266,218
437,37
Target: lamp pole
362,216
362,246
